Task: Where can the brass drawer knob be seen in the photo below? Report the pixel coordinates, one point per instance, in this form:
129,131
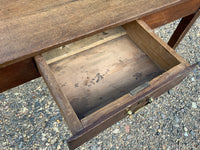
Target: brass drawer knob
129,112
150,100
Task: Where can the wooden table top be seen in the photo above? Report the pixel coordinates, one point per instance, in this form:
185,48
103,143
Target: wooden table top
28,28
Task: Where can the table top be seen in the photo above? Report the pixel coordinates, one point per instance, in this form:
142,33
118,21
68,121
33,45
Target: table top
28,28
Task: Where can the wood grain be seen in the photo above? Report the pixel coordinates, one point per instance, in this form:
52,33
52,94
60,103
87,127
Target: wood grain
30,28
142,36
161,53
17,74
61,100
173,13
103,73
83,44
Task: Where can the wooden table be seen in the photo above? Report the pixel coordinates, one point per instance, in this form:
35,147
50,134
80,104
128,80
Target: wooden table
31,28
28,29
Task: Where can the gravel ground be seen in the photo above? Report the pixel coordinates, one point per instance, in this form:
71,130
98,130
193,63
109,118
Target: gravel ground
30,118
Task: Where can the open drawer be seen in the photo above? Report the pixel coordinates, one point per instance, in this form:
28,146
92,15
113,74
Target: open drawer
101,79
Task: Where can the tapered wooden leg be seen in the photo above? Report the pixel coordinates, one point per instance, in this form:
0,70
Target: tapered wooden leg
183,27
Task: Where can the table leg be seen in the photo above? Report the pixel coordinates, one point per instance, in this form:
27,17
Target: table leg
183,27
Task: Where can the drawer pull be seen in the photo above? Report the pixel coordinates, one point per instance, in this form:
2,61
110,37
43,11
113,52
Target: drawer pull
150,100
130,114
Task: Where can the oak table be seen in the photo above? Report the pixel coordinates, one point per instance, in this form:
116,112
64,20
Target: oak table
28,29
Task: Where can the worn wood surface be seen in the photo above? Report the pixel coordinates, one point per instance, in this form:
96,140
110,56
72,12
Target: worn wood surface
60,98
29,28
183,27
117,110
17,74
153,46
102,74
173,13
82,45
159,51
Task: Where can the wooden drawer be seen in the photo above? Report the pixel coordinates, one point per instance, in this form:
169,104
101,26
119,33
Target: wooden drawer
98,80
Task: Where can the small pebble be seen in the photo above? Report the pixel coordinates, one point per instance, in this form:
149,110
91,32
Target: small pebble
24,110
195,70
93,148
116,131
157,133
185,129
47,144
170,92
198,34
21,145
16,94
58,147
129,137
164,147
176,119
2,96
41,115
43,137
55,129
176,125
191,132
190,37
194,105
99,148
127,128
185,134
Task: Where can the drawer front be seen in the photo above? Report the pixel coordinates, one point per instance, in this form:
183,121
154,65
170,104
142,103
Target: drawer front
165,82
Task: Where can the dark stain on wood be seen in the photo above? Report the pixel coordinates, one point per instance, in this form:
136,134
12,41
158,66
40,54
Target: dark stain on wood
137,75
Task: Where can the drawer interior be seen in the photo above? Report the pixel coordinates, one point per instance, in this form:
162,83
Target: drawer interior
97,70
102,74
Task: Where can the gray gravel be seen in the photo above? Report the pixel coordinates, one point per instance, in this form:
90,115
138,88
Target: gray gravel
30,118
